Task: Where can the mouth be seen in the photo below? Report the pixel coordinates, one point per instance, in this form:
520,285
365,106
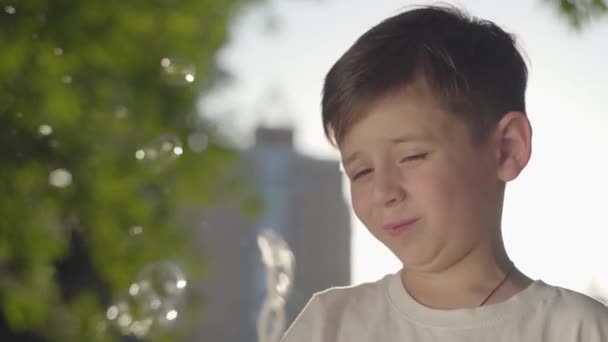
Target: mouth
400,227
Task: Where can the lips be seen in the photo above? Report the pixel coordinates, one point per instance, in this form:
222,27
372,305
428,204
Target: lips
396,228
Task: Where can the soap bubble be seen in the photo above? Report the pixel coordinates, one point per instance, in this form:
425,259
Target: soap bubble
150,302
275,251
134,313
160,152
272,321
166,315
60,178
121,111
45,130
279,262
283,284
177,71
135,230
164,278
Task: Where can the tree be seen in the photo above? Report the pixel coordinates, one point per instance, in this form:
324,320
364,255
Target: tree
580,13
96,98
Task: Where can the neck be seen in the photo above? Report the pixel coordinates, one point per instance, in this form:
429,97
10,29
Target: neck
466,282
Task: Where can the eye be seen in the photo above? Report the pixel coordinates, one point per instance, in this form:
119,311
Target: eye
414,157
361,173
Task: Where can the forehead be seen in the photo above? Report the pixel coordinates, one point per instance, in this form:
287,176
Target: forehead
413,114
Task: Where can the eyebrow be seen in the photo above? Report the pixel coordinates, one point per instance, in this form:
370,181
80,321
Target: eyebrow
395,141
350,159
406,138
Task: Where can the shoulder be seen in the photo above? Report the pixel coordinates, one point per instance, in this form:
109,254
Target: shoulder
576,303
576,309
325,311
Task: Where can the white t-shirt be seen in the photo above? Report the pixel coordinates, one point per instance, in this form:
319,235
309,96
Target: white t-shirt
384,311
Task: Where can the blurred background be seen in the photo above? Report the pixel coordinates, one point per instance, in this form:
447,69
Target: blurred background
164,175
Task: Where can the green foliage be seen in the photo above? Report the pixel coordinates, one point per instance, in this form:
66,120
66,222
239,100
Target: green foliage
81,89
580,13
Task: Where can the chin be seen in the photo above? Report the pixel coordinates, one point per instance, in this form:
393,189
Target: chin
413,256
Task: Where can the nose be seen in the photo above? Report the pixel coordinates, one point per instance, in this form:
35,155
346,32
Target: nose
387,187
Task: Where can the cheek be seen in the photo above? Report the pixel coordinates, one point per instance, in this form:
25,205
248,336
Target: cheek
438,190
360,203
451,195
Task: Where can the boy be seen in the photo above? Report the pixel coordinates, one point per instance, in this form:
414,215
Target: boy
427,110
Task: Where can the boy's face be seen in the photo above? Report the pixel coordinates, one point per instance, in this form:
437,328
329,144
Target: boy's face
410,160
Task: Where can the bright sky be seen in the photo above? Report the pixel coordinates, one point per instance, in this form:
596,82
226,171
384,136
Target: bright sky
554,223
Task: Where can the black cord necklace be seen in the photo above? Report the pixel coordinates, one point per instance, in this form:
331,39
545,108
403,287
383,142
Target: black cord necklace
499,284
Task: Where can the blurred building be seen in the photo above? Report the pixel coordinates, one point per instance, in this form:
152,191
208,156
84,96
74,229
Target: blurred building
304,204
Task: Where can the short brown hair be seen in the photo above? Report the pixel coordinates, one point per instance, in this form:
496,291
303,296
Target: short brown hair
472,65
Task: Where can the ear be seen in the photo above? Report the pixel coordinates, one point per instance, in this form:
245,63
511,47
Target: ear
513,145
